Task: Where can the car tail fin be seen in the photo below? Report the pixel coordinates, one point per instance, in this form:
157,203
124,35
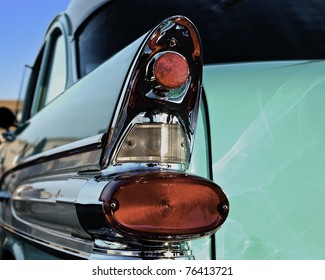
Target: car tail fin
156,116
151,141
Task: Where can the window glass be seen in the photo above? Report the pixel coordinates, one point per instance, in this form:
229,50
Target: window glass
31,96
102,36
250,31
51,72
56,78
111,29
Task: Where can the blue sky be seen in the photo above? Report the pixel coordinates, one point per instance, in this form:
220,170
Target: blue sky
22,27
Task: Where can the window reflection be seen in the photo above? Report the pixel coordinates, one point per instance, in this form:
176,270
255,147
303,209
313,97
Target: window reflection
57,73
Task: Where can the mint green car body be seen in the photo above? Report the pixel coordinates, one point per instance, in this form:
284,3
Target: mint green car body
268,154
260,136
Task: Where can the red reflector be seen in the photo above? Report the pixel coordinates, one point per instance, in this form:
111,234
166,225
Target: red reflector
163,205
171,70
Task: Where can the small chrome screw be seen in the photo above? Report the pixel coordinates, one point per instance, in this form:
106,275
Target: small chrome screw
113,205
172,42
225,208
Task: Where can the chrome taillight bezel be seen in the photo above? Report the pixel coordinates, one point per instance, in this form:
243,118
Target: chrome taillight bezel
144,100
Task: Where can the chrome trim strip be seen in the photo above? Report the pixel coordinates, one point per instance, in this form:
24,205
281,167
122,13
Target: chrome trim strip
178,250
95,141
113,251
148,167
42,242
111,137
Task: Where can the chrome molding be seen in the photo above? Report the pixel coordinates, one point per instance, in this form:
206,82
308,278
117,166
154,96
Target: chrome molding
131,167
101,249
179,250
43,242
95,141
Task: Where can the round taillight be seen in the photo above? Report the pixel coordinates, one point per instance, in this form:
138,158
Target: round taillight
160,206
171,70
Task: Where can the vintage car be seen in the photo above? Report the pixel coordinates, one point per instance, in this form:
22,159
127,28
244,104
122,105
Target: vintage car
148,125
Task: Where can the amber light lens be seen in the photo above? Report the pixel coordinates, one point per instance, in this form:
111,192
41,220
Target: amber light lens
171,70
163,205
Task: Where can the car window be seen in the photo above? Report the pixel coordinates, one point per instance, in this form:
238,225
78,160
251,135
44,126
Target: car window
252,30
103,35
55,83
29,89
51,72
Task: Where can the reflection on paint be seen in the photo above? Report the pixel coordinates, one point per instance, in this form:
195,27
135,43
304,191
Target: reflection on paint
269,156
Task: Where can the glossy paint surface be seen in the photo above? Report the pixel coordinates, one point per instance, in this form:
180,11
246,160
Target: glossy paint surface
84,110
268,147
200,166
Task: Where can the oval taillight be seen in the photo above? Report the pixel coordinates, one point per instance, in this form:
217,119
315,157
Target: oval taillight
164,205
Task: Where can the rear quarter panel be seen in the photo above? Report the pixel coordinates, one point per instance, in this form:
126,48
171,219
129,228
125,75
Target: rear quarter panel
268,154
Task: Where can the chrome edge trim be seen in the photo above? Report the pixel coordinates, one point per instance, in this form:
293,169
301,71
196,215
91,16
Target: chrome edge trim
42,242
172,251
96,140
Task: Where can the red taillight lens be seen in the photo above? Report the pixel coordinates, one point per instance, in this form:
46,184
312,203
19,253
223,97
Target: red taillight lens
171,70
164,205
